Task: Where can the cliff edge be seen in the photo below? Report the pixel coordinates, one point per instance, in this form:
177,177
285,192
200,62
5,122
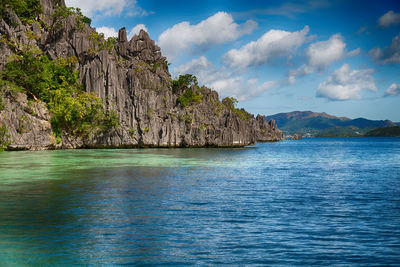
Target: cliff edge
130,77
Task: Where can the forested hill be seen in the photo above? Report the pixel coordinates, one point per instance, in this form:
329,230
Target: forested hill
308,123
63,85
393,131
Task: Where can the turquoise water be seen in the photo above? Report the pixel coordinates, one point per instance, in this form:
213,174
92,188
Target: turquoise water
317,201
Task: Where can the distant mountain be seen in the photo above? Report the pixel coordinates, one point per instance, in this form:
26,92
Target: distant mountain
310,123
385,131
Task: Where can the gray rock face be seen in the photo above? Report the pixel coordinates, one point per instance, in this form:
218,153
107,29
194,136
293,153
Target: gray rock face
132,79
27,122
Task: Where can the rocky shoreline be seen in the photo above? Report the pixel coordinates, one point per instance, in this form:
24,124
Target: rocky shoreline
131,78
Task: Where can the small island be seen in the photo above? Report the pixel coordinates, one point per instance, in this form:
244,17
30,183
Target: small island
64,85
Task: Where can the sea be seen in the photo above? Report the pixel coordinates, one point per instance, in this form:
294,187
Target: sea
309,202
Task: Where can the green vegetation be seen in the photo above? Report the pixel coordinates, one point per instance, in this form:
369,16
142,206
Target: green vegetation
187,86
99,43
132,132
184,82
4,138
26,10
189,97
56,83
21,122
385,131
308,123
63,12
230,103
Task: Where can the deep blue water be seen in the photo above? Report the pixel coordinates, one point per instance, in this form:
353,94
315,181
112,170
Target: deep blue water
317,201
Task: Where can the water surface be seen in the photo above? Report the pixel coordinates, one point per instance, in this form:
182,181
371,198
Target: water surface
309,202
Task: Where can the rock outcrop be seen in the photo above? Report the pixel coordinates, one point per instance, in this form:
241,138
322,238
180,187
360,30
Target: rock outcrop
296,136
131,78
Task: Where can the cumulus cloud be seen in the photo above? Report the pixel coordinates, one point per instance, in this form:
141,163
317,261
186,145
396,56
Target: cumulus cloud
111,32
226,83
136,30
109,7
389,55
217,29
90,7
107,31
272,44
390,18
354,52
393,90
345,84
321,55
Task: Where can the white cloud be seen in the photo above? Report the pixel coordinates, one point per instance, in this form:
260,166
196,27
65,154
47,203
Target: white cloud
272,44
393,90
345,84
111,32
390,18
109,7
107,31
217,29
90,7
136,30
224,82
240,88
390,54
354,52
137,11
321,55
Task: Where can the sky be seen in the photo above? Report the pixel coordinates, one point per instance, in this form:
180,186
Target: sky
340,57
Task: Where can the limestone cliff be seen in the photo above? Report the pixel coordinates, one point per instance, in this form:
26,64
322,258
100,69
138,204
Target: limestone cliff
131,78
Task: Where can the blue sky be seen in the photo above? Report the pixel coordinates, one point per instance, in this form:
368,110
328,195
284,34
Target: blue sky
340,57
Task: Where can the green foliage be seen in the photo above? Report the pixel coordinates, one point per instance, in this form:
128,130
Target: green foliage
110,44
37,74
243,114
187,86
56,83
81,20
26,10
230,103
132,132
21,124
189,97
385,131
155,66
31,35
4,138
184,82
99,43
63,12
